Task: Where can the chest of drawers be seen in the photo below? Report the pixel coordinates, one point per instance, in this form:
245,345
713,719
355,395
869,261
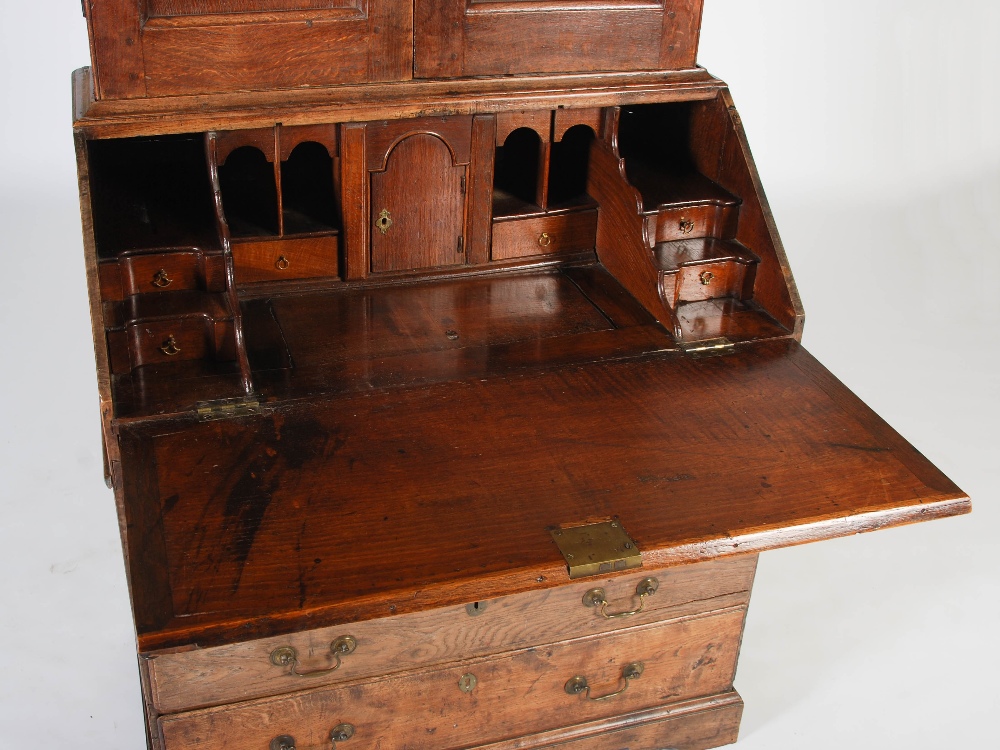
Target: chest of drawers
450,374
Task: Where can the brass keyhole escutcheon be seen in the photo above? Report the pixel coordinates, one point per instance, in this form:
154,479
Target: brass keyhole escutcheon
281,263
467,683
706,277
169,347
161,279
686,226
545,240
384,221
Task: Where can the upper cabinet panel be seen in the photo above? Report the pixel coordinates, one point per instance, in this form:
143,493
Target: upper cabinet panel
456,38
176,47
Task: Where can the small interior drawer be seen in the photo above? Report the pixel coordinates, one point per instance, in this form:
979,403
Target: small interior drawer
177,270
286,258
486,700
169,340
710,281
200,677
544,235
669,224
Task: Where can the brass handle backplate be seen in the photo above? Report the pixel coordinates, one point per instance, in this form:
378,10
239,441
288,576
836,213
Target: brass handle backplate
545,239
706,277
161,279
340,733
598,598
686,226
169,347
286,656
577,685
281,263
384,221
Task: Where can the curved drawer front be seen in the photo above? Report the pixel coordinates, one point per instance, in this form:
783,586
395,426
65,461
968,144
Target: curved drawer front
487,700
191,679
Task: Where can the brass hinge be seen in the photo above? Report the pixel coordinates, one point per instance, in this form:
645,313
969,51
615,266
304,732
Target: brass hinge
709,347
227,408
597,548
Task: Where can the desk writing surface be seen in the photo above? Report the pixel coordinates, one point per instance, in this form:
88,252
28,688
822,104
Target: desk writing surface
384,502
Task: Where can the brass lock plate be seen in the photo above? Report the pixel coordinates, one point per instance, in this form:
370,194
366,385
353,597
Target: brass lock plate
596,548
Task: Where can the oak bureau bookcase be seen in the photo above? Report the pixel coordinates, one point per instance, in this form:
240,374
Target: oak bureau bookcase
449,372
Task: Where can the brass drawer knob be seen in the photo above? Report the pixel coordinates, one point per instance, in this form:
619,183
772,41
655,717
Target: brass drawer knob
706,277
282,742
686,226
161,280
579,685
286,656
598,598
545,239
169,347
282,263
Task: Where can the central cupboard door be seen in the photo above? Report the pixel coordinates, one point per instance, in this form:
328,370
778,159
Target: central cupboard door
418,207
455,38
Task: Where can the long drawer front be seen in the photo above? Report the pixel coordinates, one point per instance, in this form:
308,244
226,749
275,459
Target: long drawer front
485,701
273,666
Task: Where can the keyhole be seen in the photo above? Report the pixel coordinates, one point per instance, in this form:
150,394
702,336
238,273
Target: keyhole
476,608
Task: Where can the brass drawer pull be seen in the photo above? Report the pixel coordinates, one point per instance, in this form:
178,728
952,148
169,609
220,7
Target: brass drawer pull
577,685
286,656
545,240
706,277
686,226
161,279
598,598
340,733
282,263
169,347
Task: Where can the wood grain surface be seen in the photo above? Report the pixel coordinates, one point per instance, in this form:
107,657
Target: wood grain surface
300,519
683,659
188,679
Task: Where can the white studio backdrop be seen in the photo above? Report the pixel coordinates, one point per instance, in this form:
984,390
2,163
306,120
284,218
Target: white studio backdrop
874,126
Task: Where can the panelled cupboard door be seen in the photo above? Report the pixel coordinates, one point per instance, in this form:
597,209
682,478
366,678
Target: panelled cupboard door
455,38
418,207
174,47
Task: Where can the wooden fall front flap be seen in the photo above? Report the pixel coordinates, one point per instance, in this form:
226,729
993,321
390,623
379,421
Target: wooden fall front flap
388,502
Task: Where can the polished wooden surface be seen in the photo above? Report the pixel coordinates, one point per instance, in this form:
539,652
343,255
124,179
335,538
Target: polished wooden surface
775,451
459,313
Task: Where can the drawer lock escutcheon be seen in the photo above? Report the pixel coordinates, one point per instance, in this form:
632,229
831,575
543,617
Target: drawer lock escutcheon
384,221
598,598
579,685
286,656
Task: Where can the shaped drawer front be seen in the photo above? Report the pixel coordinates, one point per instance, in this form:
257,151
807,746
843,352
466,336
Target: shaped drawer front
486,700
710,281
544,235
176,270
224,674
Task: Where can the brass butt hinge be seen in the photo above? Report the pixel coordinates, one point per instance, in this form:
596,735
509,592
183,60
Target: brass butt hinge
227,408
596,548
709,347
